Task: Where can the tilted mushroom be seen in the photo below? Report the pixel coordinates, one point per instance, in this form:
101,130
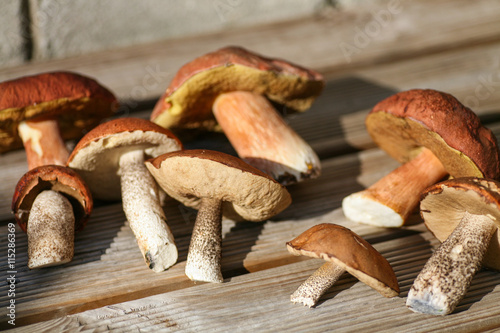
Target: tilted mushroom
343,251
233,84
41,111
110,159
216,183
464,214
433,135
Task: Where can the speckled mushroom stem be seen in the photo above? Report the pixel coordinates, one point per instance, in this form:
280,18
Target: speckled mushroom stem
391,200
50,231
204,255
52,216
447,275
141,205
43,143
309,292
263,139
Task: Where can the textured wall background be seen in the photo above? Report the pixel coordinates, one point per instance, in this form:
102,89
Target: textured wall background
34,30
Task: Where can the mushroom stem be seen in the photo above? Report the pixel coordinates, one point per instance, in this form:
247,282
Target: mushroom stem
204,255
447,275
391,200
263,139
141,204
50,229
310,291
43,143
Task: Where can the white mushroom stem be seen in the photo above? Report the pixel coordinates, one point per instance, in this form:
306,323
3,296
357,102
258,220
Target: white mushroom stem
263,139
391,200
204,255
50,229
141,204
309,292
447,275
43,143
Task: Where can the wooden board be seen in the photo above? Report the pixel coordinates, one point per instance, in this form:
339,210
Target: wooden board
108,286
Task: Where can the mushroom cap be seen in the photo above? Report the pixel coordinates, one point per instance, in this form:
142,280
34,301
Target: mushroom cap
191,175
97,155
444,204
78,103
56,178
405,122
188,101
346,249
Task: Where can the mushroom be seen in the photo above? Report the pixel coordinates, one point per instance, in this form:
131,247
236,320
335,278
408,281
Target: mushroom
232,84
40,112
464,214
433,135
343,251
216,183
110,158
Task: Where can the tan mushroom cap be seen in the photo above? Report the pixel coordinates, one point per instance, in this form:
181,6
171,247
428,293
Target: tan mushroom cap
78,102
444,204
188,100
405,122
346,249
96,156
191,175
56,178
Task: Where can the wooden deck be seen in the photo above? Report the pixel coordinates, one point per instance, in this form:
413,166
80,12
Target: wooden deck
453,46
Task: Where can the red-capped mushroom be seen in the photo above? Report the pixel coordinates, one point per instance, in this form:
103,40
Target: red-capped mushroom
434,135
231,87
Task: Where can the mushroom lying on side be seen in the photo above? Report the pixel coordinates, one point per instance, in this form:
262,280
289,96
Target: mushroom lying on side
216,183
433,134
465,215
234,84
343,251
40,112
111,160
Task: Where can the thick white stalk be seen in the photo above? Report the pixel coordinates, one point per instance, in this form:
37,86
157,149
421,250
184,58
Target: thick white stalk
141,204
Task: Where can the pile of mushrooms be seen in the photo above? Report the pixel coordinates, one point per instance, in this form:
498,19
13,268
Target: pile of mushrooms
230,88
434,135
51,201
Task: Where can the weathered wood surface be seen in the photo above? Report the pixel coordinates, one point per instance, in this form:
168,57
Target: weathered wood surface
108,286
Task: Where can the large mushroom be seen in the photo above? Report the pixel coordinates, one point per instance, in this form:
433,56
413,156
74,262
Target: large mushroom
465,215
233,85
343,250
216,183
40,112
110,158
433,135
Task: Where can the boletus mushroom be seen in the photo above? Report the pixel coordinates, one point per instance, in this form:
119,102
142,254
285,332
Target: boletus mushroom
343,250
40,112
231,88
215,183
110,158
464,214
433,135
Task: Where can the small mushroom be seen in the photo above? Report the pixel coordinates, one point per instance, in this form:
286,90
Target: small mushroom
110,159
464,214
232,84
40,112
433,135
343,251
216,183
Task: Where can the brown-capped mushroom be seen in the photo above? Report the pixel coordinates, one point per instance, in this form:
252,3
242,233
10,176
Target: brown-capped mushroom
234,85
110,158
343,251
40,112
216,183
464,214
433,135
